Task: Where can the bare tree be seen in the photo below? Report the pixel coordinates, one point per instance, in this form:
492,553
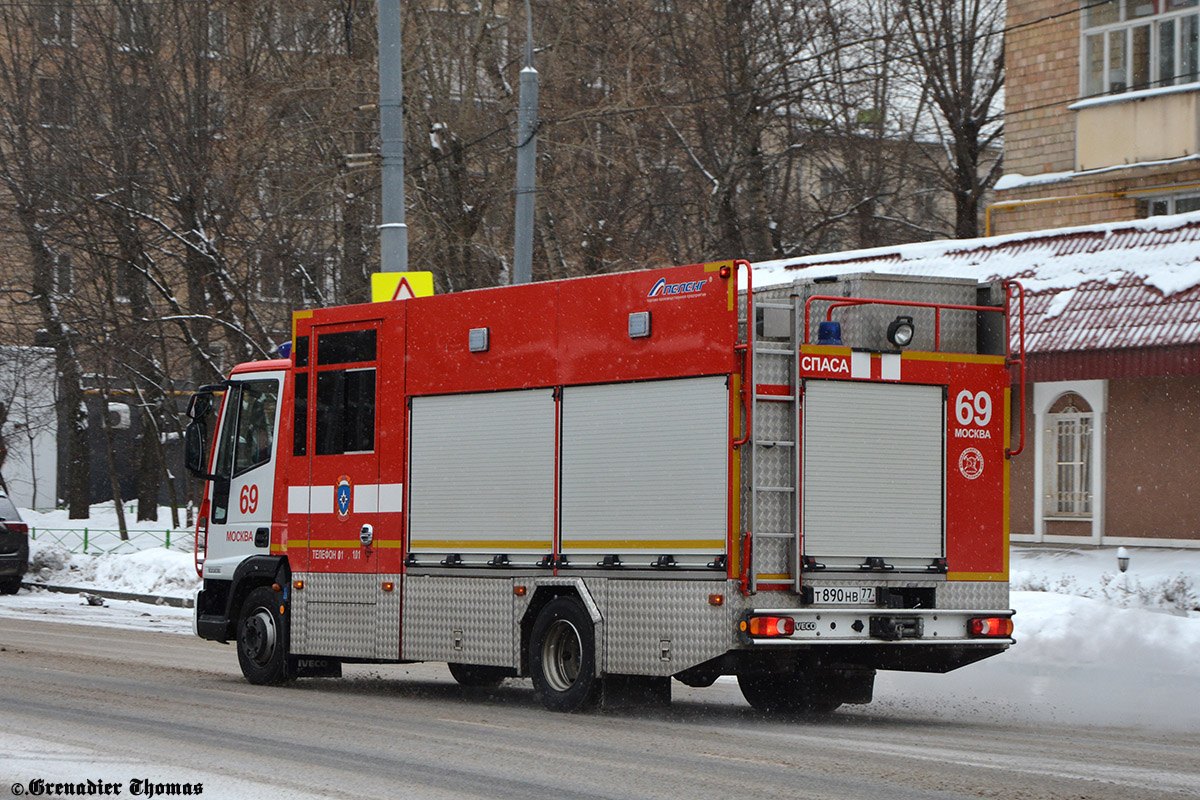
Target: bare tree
959,47
34,173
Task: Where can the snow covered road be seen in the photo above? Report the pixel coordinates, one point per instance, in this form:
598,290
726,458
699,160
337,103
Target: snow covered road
79,702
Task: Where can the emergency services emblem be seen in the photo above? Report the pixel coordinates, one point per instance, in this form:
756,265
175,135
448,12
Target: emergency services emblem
970,463
341,496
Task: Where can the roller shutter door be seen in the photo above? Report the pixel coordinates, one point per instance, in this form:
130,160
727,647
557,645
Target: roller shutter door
874,468
645,470
482,476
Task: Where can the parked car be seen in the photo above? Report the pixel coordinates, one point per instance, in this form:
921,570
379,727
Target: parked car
14,546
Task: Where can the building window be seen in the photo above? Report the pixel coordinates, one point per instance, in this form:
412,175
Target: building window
305,30
64,275
133,27
830,182
55,102
54,21
1139,44
1171,204
217,32
1069,458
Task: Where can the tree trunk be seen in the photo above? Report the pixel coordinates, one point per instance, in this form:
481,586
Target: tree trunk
114,477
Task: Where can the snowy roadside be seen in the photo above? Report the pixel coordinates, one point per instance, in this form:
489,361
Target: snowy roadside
1074,608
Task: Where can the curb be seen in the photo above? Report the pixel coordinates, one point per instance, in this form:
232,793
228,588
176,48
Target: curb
152,599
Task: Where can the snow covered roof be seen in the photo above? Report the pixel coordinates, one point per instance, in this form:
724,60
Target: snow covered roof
1098,287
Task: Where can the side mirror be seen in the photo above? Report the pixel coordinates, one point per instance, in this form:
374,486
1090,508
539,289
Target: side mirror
199,405
195,438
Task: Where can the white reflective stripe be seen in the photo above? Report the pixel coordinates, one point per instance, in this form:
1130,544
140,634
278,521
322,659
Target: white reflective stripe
320,500
890,367
391,497
369,498
860,365
366,498
297,500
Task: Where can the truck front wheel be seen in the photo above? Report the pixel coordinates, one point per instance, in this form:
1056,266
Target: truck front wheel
262,651
562,656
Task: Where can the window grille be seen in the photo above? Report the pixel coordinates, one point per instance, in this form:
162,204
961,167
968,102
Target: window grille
1069,465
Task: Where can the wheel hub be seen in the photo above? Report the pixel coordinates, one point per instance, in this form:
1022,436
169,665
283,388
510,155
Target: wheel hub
258,637
561,655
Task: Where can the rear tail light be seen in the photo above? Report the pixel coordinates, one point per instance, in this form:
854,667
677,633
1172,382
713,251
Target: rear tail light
17,527
201,544
769,626
990,626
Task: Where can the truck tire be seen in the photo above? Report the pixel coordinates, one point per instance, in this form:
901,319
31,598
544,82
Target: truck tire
261,639
10,585
477,676
562,656
785,693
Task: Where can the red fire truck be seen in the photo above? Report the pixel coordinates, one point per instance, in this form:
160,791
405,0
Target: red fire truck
614,481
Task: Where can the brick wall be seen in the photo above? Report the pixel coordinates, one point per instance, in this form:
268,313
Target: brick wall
1152,450
1042,78
1090,198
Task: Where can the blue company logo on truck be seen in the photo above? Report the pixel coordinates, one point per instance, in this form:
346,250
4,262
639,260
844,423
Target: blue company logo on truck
664,289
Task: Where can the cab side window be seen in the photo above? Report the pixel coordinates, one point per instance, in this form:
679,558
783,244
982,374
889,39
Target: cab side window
255,425
345,401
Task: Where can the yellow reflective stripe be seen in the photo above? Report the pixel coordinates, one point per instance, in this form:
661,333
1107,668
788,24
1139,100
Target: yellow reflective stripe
976,576
963,358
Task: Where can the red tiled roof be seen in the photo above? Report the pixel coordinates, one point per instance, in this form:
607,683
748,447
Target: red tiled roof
1101,316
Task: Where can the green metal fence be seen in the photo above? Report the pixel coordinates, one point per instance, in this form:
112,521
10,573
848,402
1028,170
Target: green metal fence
108,540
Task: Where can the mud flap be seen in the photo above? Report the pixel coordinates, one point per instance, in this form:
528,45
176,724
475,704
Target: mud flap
314,667
634,691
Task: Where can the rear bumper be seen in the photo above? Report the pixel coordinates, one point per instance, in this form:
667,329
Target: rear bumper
14,565
931,640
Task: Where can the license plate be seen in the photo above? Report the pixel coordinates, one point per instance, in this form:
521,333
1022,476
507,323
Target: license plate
843,595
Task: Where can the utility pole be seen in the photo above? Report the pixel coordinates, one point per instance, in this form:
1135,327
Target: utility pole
393,230
527,106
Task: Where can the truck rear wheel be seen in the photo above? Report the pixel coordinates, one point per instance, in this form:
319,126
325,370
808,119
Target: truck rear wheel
786,693
262,651
562,656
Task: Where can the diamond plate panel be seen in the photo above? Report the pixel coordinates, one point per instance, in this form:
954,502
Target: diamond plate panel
346,630
335,615
973,594
465,620
774,512
772,557
774,422
335,587
298,630
773,368
387,616
645,616
866,326
775,466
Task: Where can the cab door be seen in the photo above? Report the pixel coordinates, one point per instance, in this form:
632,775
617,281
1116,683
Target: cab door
344,455
241,499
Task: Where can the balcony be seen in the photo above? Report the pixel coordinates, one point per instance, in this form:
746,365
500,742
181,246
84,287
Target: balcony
1137,127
